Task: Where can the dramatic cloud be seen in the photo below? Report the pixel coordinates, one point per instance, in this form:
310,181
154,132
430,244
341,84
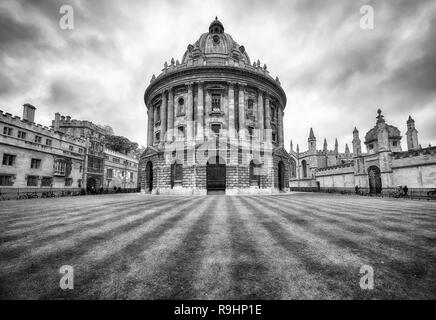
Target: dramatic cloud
335,74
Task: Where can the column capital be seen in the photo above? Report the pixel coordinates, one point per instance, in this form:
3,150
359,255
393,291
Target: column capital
190,85
242,84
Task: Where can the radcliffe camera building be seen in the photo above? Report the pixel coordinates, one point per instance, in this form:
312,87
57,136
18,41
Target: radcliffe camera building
215,123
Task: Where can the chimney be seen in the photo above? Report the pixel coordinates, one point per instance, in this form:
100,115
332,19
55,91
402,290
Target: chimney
57,121
68,118
28,112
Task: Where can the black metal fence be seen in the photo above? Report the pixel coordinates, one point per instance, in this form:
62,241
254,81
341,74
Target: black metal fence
7,193
412,193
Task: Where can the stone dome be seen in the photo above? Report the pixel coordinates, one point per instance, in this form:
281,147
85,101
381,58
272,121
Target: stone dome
393,132
216,46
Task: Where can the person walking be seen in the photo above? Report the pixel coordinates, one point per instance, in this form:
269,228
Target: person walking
405,190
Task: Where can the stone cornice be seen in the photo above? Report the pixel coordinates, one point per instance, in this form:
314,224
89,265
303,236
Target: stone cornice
214,73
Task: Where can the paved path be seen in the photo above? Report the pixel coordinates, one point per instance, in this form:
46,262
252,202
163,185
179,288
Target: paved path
216,247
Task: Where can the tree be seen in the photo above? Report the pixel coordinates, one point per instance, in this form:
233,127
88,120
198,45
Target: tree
120,144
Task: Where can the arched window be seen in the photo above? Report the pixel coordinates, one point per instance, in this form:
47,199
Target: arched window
304,167
176,174
293,169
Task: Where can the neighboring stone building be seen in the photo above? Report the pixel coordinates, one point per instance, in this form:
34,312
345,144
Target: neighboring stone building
99,161
120,170
383,168
305,164
215,123
34,156
94,156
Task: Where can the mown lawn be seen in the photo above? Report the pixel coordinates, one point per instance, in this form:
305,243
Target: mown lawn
293,246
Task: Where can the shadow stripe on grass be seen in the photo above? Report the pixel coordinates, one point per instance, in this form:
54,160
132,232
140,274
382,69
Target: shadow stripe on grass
250,277
119,262
78,229
392,274
82,246
179,271
342,280
83,217
33,215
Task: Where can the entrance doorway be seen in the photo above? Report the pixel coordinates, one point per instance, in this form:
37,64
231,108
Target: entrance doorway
216,176
375,184
149,176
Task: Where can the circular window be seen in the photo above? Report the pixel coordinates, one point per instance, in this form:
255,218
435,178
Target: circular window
216,39
181,101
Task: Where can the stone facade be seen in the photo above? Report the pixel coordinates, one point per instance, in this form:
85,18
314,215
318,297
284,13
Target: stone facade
120,170
383,168
215,123
34,156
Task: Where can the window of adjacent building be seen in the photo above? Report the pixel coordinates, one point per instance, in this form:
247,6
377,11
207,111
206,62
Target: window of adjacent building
131,175
46,181
80,169
394,143
7,131
250,131
116,160
38,139
95,164
157,137
216,102
8,159
6,180
21,135
180,107
79,183
48,142
35,164
32,181
80,150
216,128
59,167
68,182
71,148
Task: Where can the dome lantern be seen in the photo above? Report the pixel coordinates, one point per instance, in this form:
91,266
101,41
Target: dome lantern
216,27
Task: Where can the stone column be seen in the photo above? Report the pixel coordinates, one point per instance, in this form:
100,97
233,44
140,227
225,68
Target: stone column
231,110
150,114
267,119
200,112
241,107
163,117
280,128
208,110
170,133
260,114
189,114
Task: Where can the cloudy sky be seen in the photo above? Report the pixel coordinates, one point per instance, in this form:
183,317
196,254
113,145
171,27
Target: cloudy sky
335,74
